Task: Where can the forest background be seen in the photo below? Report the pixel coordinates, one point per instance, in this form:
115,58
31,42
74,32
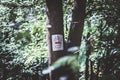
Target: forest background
23,44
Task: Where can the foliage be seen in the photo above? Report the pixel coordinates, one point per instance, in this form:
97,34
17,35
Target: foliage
22,39
102,23
23,51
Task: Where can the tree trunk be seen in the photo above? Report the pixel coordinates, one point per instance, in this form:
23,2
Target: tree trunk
88,52
55,33
76,28
87,69
91,71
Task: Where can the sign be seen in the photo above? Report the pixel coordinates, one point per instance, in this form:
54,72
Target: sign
57,42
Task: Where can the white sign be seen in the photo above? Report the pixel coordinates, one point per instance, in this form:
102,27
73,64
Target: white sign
57,42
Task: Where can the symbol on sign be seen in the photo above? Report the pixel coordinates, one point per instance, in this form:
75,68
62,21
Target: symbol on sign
58,44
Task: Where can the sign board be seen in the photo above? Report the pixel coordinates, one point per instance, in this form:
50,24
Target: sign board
57,42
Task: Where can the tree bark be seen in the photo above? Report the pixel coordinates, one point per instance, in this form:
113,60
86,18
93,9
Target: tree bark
77,24
88,52
87,69
91,71
54,28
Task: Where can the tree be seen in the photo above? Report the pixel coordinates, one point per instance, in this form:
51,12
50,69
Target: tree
77,24
57,46
55,28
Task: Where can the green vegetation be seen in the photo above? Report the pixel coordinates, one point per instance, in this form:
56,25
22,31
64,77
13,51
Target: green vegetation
23,43
23,51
